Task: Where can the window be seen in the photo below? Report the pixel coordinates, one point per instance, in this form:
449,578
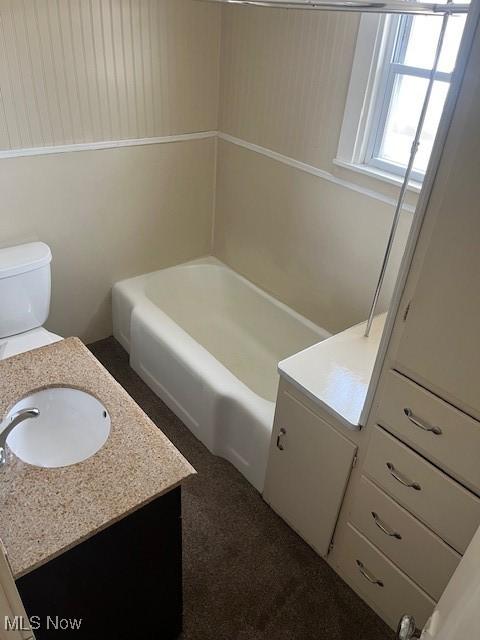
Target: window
393,61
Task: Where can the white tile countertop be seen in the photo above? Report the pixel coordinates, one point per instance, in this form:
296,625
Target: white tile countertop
336,372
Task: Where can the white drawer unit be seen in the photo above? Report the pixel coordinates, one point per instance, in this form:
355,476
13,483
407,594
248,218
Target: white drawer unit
308,470
441,433
379,581
413,503
417,551
438,501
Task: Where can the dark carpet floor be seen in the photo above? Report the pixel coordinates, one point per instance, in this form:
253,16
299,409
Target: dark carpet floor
247,575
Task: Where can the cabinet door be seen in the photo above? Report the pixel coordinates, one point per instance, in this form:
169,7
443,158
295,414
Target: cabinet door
308,470
440,346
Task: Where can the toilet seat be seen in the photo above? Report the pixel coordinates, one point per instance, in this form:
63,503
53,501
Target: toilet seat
26,341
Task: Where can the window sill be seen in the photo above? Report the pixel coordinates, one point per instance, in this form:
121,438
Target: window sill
372,172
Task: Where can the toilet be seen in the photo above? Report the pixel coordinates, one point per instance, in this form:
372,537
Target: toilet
24,298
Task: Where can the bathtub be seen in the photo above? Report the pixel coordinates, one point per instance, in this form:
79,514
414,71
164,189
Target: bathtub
208,341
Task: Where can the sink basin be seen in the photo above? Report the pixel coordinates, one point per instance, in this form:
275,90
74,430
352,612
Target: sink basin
71,427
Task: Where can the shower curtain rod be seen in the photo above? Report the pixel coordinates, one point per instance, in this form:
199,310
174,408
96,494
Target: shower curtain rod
408,172
399,7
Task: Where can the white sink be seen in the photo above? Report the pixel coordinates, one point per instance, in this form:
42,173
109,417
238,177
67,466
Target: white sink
71,427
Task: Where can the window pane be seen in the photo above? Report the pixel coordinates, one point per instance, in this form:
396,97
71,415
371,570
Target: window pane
423,40
407,99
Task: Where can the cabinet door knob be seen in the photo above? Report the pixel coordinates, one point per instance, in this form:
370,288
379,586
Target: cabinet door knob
383,527
367,575
420,424
280,436
399,477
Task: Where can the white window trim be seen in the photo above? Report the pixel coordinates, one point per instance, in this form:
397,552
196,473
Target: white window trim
367,74
377,173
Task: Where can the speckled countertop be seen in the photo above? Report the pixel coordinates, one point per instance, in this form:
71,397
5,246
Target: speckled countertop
44,512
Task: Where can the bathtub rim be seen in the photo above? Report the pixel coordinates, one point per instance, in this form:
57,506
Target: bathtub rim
135,290
210,260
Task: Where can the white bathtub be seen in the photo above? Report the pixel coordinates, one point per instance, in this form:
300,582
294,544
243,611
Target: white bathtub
208,342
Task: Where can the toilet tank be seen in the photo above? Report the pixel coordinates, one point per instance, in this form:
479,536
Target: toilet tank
24,287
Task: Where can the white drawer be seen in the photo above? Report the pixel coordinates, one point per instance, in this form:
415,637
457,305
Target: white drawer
421,554
437,500
407,410
382,584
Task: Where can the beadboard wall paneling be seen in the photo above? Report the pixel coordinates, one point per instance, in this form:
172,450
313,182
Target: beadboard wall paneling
76,71
284,79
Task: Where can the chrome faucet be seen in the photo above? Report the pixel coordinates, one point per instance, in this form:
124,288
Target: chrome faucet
15,419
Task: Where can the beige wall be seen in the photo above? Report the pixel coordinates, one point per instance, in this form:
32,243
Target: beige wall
94,70
108,215
315,245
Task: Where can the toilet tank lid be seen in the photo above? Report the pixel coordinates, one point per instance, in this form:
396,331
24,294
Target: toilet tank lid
23,258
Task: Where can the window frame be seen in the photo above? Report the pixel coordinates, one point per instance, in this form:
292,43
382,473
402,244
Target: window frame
397,41
375,67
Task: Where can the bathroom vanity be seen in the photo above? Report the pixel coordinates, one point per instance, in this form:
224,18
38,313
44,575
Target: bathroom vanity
391,505
316,432
100,540
396,514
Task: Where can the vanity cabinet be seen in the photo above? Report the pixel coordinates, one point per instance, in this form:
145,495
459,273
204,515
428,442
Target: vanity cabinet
124,582
99,541
309,466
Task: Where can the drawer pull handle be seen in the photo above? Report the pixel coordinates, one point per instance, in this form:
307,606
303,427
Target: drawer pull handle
383,527
281,433
422,425
402,479
367,575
